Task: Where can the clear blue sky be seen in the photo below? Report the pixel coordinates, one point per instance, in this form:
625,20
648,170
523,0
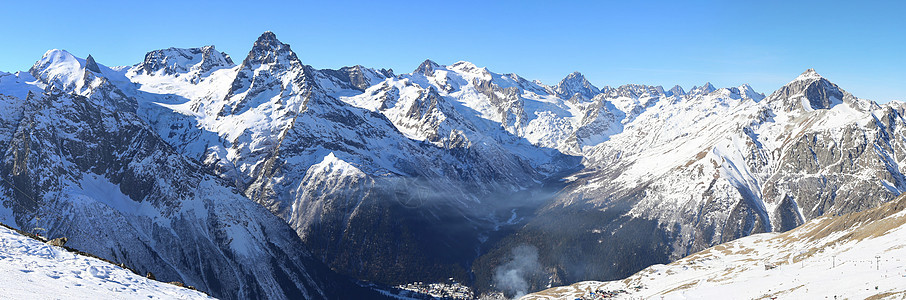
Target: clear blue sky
860,45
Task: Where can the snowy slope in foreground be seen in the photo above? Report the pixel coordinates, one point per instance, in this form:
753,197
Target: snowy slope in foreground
30,269
854,256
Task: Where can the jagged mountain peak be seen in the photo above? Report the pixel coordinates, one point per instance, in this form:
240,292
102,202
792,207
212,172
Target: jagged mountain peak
808,91
173,61
744,91
91,65
576,83
268,41
634,91
269,50
210,50
355,70
676,91
574,77
705,89
356,77
426,68
808,75
749,92
268,38
387,72
268,63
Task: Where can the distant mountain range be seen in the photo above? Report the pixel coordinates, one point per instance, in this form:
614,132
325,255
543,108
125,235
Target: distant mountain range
274,179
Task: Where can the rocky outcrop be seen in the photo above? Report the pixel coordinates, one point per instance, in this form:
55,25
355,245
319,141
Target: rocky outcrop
59,242
576,84
191,64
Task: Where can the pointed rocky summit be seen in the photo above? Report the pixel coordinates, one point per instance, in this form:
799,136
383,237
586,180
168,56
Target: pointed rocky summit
819,93
705,89
575,83
267,50
808,74
677,91
427,68
91,65
267,39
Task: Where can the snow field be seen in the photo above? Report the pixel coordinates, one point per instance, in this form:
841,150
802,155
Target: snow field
30,269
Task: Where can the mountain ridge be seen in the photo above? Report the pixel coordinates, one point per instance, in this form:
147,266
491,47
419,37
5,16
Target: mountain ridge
461,164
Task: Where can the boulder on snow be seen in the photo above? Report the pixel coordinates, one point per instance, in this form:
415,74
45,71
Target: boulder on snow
59,242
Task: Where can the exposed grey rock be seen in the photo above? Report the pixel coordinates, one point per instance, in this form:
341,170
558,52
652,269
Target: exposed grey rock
576,84
194,63
59,242
705,89
91,65
677,91
817,92
426,68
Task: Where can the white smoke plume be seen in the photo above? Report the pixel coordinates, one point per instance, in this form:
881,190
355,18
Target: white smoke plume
512,278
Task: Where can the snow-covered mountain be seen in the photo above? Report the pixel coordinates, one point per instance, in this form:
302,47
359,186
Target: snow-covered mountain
694,171
695,168
856,255
328,156
79,162
45,271
423,176
192,64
